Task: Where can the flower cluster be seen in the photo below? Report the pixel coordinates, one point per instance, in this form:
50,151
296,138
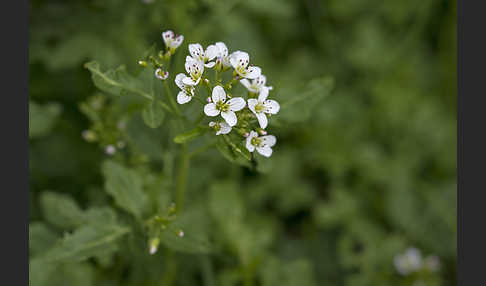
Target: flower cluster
411,261
247,116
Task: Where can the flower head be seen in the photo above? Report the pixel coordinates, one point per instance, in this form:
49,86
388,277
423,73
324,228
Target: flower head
187,91
263,144
195,69
198,53
256,85
226,108
220,127
222,58
262,106
408,262
171,40
240,60
160,74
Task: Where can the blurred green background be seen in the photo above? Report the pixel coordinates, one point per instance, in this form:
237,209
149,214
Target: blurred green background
368,172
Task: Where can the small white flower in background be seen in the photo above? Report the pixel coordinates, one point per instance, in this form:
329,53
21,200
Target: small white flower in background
197,52
227,109
220,127
195,69
240,60
180,233
163,75
408,262
432,262
262,106
154,245
263,144
110,150
256,85
187,91
172,41
222,57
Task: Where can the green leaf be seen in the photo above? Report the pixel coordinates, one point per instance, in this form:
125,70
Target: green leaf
153,114
118,81
40,238
189,135
42,118
194,223
60,210
125,186
42,273
85,242
303,101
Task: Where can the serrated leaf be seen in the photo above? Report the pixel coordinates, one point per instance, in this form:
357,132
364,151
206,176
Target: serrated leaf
85,242
153,114
189,135
60,210
118,81
42,118
125,186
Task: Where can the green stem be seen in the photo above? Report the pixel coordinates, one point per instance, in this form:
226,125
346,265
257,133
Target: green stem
183,170
171,269
171,100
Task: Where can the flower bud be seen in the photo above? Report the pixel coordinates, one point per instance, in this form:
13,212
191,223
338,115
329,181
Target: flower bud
89,135
160,74
142,63
154,245
208,99
180,233
110,150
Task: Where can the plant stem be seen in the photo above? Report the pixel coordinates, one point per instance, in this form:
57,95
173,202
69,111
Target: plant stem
171,100
182,173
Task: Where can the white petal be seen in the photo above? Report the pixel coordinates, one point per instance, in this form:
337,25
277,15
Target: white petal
245,83
252,102
239,58
224,128
222,49
253,72
189,62
210,64
263,94
236,103
268,140
218,94
167,36
182,97
210,109
211,52
177,41
196,51
190,81
262,119
250,146
271,106
260,80
212,124
265,151
229,117
178,80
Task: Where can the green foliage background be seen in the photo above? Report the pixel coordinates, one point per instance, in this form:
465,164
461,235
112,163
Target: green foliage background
358,173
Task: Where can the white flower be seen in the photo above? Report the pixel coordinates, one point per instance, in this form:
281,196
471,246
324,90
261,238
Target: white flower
110,150
161,74
171,40
262,144
222,58
408,262
256,85
240,60
220,127
187,91
197,52
195,69
263,105
226,108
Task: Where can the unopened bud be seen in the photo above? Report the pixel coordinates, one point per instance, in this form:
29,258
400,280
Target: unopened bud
154,245
172,208
142,63
89,135
160,74
246,134
208,99
180,233
262,132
